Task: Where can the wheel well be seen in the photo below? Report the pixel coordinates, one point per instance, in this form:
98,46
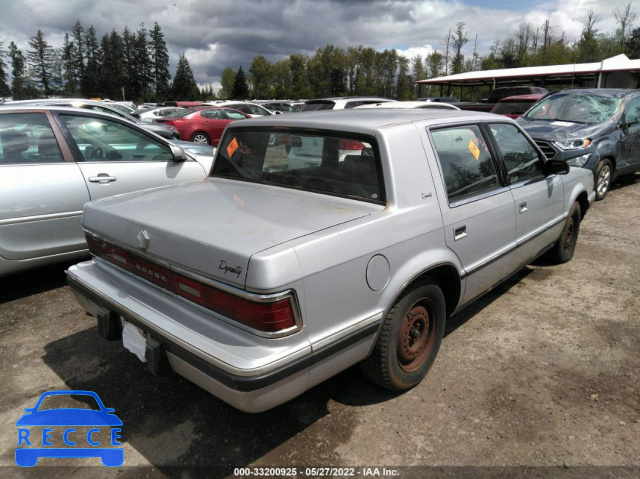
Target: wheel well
199,133
583,200
448,279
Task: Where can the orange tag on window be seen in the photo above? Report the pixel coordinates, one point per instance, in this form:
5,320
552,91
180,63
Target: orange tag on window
475,151
232,147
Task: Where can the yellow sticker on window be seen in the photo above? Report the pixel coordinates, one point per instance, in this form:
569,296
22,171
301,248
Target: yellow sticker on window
232,147
475,151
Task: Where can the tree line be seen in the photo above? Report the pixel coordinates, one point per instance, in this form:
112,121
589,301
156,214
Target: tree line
135,65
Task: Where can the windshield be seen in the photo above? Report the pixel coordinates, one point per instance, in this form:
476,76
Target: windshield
317,105
512,107
320,162
178,113
575,107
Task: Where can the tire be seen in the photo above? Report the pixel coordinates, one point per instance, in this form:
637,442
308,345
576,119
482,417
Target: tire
602,175
409,340
200,137
563,250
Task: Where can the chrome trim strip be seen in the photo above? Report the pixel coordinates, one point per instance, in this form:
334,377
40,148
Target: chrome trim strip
29,219
541,230
254,297
328,341
516,245
280,363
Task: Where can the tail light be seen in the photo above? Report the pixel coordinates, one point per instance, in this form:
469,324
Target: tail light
267,314
351,145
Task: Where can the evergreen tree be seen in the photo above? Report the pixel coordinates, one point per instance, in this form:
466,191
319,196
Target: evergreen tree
159,63
128,64
143,71
40,60
4,87
184,85
298,73
419,73
112,77
68,57
459,40
18,85
240,87
77,32
90,85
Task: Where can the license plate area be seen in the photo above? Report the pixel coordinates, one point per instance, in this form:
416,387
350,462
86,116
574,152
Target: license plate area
134,340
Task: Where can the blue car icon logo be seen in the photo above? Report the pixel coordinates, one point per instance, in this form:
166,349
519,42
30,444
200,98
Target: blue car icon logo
81,431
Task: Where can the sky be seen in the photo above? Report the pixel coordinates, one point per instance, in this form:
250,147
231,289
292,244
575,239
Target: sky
216,34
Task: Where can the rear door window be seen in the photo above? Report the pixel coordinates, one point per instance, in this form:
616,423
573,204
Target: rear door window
27,138
465,161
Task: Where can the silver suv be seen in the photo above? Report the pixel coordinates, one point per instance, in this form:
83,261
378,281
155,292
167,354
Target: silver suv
322,241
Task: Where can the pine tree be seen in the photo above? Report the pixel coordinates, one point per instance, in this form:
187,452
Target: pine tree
159,63
112,77
40,60
18,85
184,85
68,58
240,87
4,87
143,76
79,52
91,78
128,63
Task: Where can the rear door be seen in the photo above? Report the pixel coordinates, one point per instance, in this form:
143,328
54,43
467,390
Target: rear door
630,139
477,208
42,190
115,157
538,199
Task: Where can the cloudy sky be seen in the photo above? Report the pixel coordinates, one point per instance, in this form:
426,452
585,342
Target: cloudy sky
215,34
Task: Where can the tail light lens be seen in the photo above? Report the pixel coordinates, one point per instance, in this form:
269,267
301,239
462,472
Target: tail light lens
351,145
267,316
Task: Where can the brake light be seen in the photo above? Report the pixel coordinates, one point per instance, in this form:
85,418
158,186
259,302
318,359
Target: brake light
265,316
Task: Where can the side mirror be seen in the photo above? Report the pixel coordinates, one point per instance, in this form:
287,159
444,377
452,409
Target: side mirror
178,153
557,167
135,115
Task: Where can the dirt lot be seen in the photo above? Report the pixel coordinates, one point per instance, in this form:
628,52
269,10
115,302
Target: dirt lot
538,379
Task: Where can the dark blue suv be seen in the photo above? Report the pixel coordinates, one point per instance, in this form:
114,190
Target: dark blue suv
598,129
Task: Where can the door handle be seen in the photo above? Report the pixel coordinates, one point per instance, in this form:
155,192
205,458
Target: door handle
523,207
460,233
102,178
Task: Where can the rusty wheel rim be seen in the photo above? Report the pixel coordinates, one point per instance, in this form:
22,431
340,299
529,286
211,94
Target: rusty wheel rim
416,336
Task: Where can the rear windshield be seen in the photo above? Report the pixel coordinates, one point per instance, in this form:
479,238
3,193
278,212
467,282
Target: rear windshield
318,105
575,107
329,163
512,107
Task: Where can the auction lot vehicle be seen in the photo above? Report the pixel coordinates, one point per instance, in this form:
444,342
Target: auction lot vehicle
55,159
300,264
596,129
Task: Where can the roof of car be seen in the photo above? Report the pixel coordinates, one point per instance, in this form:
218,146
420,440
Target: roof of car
529,97
364,121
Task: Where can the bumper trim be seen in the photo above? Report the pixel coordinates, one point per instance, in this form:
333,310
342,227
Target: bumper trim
232,381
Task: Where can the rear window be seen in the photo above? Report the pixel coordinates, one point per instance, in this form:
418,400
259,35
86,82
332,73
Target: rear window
328,163
512,107
318,105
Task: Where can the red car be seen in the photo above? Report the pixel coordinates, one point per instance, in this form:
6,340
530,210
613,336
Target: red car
203,126
514,106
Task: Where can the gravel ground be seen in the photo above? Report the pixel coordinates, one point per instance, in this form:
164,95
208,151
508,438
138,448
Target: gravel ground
540,378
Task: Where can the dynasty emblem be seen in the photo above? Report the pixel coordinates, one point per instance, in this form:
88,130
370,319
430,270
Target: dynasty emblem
143,239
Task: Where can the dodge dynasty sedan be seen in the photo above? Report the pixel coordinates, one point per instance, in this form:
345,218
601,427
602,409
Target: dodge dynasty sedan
322,240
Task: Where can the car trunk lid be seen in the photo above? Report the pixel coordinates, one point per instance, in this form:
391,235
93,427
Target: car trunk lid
214,226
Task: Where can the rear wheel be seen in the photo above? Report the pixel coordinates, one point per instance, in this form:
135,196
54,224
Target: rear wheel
200,137
563,250
409,340
602,175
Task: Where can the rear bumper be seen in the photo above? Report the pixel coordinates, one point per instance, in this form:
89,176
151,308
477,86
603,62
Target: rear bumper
221,365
